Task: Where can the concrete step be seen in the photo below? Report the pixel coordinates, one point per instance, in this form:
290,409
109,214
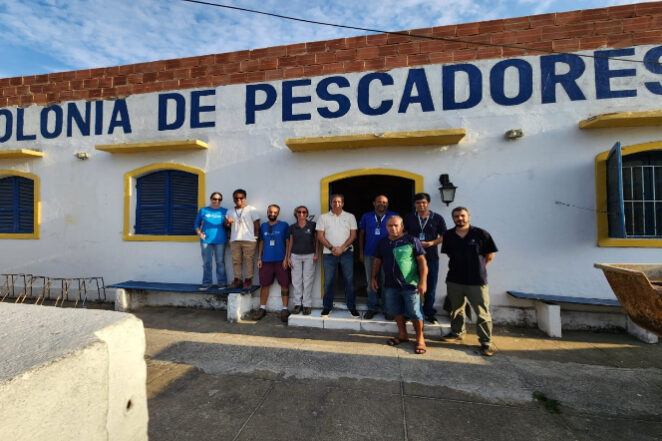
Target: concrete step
342,319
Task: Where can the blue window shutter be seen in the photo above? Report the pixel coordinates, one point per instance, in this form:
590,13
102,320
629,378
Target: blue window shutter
167,203
151,204
615,210
16,205
184,202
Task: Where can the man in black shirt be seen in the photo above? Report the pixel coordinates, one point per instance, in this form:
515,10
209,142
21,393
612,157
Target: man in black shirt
429,227
470,249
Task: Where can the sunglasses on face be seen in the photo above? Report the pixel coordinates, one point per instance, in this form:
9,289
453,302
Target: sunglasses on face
302,212
216,199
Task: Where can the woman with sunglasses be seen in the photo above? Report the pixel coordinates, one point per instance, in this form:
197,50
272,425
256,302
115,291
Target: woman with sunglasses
302,255
210,227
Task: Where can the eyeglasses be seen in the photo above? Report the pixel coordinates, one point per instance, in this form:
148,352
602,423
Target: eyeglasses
302,212
216,199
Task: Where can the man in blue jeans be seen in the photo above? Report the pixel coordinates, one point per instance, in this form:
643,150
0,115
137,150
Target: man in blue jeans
405,270
429,227
372,228
336,230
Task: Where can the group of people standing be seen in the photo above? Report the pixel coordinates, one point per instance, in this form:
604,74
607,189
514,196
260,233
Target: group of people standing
400,256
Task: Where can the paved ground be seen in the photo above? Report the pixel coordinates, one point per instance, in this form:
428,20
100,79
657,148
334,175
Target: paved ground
213,380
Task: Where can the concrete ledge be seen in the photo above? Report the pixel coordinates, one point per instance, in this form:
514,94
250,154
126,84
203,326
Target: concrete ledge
128,299
57,361
341,319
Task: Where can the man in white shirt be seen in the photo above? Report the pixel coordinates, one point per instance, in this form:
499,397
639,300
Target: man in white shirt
244,223
336,230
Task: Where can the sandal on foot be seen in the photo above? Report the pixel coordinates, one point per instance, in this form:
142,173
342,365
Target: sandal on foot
394,341
420,349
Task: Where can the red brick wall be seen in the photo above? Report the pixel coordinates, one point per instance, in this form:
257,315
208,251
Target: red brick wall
613,27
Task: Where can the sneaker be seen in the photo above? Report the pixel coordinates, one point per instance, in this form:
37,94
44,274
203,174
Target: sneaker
297,309
204,287
451,338
248,283
222,287
388,316
257,315
325,312
284,314
431,319
236,284
369,314
354,312
486,351
307,310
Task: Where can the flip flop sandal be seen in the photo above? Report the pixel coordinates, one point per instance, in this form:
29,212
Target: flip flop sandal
394,341
420,350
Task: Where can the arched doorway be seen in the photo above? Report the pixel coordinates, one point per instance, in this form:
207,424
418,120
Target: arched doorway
360,188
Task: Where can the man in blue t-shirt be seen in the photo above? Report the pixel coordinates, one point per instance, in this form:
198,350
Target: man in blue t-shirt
271,262
372,228
405,273
210,227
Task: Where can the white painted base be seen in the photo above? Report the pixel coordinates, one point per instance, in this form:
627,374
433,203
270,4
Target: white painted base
549,319
640,333
238,306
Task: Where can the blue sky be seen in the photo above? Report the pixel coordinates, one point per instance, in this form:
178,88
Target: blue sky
43,36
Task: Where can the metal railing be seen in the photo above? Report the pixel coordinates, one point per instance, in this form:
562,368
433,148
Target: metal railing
41,290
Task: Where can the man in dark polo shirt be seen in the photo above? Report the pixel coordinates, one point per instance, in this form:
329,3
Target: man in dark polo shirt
470,249
429,228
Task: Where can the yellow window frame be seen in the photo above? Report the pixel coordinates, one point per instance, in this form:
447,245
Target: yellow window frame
601,199
36,207
129,190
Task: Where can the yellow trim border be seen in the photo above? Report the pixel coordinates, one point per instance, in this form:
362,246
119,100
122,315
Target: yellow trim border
623,119
157,146
388,139
129,180
36,197
20,154
601,200
324,189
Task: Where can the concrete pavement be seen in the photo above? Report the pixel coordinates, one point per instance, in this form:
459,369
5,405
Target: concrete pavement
213,380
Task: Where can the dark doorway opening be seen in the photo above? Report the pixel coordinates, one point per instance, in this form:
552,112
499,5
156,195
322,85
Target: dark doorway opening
360,192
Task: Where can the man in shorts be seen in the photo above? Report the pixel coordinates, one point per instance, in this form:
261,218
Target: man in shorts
405,270
274,236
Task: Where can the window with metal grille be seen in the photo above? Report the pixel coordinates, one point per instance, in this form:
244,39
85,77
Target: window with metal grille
642,194
634,189
16,205
167,203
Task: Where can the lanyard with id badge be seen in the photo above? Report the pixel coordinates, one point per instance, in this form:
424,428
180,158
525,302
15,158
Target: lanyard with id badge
378,222
272,241
422,224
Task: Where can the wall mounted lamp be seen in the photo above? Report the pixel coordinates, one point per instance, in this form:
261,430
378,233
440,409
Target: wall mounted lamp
82,155
447,189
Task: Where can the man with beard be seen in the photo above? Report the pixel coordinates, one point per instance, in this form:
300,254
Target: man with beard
372,228
274,236
470,249
405,271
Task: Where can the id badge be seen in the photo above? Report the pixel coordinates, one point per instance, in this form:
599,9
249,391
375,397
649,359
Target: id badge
421,236
272,243
378,231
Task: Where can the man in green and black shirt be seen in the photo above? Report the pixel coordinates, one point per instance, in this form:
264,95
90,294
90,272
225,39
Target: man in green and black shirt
405,272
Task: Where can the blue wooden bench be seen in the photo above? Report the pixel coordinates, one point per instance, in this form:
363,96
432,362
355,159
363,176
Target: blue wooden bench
132,294
548,308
